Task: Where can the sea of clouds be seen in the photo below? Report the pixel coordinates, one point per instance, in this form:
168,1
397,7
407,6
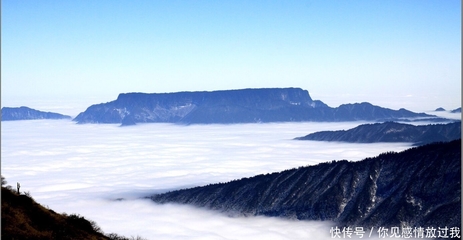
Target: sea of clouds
103,171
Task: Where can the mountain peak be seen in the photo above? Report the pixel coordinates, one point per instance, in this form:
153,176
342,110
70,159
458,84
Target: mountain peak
231,106
26,113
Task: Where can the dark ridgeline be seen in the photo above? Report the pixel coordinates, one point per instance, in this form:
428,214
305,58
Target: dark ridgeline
24,218
25,113
232,106
391,132
418,187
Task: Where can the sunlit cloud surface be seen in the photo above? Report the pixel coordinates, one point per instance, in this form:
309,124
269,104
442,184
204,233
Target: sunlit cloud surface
103,171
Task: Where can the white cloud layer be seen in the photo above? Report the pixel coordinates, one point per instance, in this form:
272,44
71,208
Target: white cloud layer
84,168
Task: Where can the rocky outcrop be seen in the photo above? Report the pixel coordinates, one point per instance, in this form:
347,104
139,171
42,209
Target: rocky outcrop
232,106
391,132
25,113
417,187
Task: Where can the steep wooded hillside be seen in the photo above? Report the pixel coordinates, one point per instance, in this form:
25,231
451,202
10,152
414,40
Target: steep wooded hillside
417,187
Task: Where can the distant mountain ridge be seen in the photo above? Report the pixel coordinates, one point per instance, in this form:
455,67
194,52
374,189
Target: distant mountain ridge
232,106
419,187
26,113
391,132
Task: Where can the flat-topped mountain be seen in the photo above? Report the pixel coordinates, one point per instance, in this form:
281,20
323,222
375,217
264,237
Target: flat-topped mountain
419,187
25,113
391,132
232,106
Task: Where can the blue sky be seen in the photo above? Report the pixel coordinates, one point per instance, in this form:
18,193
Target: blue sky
390,53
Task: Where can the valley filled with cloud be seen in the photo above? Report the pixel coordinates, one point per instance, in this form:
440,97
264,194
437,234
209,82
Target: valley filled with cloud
103,172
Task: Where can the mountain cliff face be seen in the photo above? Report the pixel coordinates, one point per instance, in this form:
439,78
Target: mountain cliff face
231,106
417,187
25,113
391,132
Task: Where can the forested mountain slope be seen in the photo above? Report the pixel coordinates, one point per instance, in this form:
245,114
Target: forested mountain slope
420,186
391,132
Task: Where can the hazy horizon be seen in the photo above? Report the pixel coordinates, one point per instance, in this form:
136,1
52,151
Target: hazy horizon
73,105
393,53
